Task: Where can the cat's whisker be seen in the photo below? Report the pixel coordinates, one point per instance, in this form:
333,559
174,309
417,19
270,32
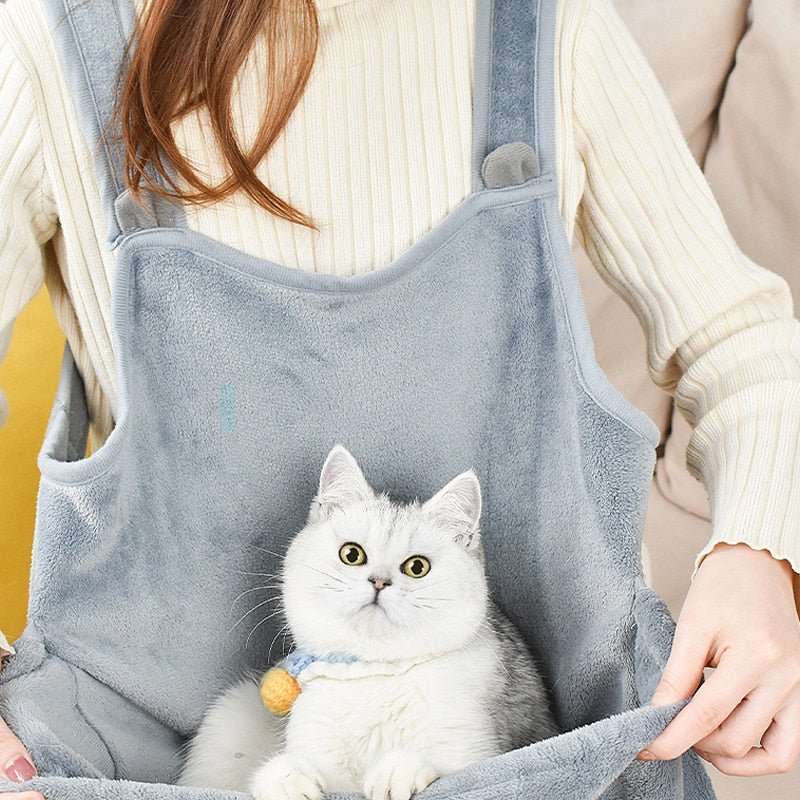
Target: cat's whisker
492,651
262,574
281,556
489,628
438,599
276,599
280,631
322,572
253,589
272,598
277,611
427,586
270,616
284,557
267,574
283,641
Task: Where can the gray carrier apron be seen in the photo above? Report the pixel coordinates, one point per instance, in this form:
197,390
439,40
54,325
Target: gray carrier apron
238,374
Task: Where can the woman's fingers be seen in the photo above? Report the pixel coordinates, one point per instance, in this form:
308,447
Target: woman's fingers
684,667
710,706
746,726
11,750
779,751
15,761
740,617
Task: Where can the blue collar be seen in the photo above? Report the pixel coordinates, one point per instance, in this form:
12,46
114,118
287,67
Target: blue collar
298,660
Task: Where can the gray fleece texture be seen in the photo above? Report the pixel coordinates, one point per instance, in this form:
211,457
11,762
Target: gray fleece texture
236,377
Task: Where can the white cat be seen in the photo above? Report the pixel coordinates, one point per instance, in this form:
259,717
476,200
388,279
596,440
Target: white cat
413,673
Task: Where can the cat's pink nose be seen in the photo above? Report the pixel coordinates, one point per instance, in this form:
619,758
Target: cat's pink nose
380,583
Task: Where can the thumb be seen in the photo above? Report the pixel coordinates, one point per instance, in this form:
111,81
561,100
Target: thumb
684,668
15,761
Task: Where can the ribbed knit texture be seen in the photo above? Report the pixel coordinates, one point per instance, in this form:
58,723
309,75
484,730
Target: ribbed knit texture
378,152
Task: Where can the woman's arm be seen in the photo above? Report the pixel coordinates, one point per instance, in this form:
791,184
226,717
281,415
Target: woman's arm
720,332
27,221
722,340
27,210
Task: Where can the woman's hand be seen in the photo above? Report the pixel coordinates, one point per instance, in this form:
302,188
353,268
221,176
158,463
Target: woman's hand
740,617
11,749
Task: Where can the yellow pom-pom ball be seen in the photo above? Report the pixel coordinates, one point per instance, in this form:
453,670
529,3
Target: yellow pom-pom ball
279,690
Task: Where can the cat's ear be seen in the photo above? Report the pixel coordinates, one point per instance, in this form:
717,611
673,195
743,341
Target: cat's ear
456,507
341,481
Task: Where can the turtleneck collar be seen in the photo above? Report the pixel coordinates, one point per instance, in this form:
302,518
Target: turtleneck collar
323,5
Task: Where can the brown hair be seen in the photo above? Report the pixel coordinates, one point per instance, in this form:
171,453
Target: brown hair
187,53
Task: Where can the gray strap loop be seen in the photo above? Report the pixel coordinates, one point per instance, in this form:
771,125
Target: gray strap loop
155,211
510,165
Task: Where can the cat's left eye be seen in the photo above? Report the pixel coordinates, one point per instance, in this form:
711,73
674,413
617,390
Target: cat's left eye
416,567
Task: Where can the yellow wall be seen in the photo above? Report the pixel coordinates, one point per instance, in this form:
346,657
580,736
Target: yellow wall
28,376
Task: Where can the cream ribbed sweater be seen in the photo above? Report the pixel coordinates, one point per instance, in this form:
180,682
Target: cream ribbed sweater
378,152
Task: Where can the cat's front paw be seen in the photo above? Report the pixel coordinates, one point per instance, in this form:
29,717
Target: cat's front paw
287,777
397,776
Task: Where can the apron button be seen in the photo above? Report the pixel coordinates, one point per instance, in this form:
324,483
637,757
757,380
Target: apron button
509,165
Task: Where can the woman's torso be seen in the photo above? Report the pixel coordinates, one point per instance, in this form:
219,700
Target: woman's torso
377,152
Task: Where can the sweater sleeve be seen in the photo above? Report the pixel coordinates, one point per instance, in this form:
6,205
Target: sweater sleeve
721,336
27,209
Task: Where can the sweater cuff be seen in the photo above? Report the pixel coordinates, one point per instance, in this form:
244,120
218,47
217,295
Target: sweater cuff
750,465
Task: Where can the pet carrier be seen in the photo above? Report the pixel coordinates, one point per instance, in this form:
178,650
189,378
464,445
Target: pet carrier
236,376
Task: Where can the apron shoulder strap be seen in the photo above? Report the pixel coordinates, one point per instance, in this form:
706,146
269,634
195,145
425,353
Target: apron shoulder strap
518,122
90,37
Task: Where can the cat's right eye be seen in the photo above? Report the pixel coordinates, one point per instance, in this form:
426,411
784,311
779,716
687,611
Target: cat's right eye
352,554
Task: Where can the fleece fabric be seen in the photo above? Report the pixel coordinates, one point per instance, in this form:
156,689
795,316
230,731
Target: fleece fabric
237,376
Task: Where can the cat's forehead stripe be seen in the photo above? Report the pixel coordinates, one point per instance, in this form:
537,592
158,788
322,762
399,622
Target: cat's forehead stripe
385,520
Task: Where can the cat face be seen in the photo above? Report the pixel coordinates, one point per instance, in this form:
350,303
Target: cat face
383,580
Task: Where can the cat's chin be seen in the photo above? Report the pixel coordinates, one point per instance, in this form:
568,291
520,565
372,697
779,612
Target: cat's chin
374,620
381,631
373,637
374,609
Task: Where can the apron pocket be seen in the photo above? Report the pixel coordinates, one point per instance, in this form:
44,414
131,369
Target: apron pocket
76,726
62,456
